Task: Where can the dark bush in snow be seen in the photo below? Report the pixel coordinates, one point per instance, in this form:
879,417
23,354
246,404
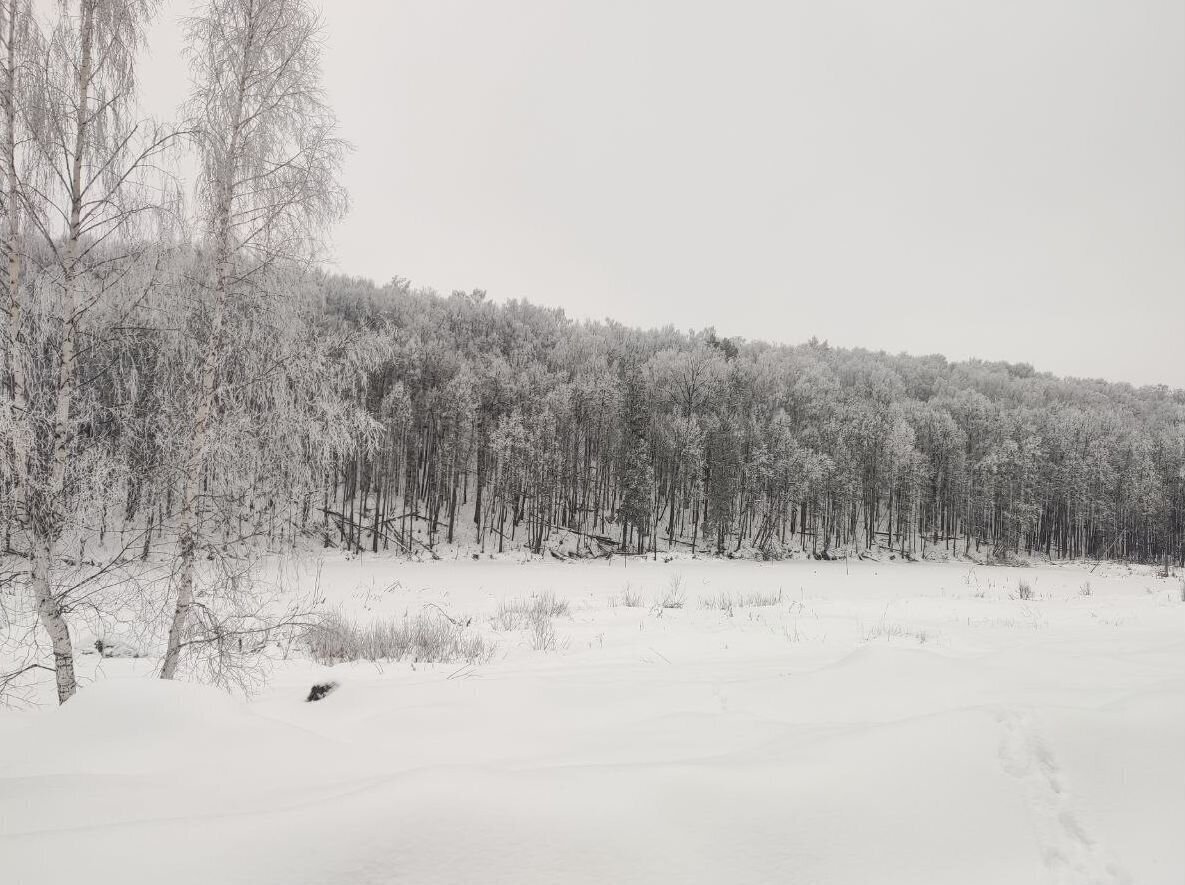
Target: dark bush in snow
320,689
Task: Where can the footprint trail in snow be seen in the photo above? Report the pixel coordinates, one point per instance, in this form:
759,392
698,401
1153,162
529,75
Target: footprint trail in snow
1071,856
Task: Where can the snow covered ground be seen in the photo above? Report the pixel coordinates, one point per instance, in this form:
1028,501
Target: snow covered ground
801,722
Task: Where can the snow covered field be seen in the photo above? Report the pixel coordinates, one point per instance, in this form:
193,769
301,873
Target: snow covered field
801,722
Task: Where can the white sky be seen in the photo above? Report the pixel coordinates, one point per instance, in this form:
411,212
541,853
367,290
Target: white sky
997,179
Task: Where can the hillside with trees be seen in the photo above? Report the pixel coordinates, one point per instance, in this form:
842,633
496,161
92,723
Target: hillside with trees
180,382
525,425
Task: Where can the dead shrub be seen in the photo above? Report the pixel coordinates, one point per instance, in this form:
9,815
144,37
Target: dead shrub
430,639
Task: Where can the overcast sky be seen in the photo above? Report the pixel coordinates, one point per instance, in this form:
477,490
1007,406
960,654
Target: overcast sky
996,179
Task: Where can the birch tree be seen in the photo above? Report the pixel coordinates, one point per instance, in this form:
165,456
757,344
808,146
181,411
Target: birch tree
100,184
269,157
19,42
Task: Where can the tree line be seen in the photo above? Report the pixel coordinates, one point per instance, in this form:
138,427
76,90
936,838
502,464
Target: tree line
513,425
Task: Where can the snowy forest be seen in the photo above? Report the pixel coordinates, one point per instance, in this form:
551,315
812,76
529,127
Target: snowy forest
312,573
183,380
511,424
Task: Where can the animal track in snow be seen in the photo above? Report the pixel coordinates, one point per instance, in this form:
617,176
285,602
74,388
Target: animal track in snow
1071,856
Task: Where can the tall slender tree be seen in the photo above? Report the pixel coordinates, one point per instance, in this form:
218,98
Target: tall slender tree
269,157
101,183
19,45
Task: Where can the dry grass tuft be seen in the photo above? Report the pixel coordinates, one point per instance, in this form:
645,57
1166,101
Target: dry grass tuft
629,598
430,639
513,614
725,602
674,596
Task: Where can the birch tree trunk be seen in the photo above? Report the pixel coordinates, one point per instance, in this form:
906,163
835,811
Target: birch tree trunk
13,307
16,33
195,464
47,524
269,163
93,160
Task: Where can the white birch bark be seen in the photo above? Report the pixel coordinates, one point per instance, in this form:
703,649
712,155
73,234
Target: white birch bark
46,524
94,161
269,160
